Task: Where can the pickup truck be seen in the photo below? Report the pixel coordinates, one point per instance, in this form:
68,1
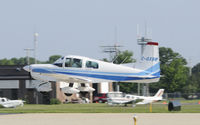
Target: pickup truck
100,98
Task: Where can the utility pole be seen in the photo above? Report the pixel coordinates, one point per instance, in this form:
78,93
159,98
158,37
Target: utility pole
35,35
35,46
28,55
190,66
113,51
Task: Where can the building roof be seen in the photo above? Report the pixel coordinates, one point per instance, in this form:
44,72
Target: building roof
13,72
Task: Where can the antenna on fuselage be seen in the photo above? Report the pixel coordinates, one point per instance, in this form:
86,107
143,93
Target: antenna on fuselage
124,60
115,59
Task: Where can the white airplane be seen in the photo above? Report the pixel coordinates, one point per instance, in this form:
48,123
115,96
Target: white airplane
7,103
77,69
118,98
147,99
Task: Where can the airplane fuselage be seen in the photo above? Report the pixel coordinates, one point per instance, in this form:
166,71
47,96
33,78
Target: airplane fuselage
88,70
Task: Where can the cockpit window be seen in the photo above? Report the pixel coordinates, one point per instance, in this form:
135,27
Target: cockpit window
73,62
68,62
91,64
59,62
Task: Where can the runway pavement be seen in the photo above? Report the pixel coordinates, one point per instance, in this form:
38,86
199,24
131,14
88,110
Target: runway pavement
101,119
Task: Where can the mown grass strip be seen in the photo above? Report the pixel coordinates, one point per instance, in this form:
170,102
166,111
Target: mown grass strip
98,108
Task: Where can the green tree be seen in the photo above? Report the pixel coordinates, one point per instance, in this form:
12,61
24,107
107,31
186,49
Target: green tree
105,60
124,57
173,71
128,87
6,62
53,58
193,84
17,61
196,69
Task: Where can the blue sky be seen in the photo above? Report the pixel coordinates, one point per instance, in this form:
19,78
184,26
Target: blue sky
80,27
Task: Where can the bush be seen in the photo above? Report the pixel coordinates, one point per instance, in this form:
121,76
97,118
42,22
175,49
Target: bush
54,101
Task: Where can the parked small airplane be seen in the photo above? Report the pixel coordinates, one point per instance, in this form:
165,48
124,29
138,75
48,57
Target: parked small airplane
7,103
77,69
151,99
119,98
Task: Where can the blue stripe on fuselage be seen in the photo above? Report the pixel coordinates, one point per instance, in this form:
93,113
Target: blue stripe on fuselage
99,72
107,77
91,75
157,74
154,68
41,70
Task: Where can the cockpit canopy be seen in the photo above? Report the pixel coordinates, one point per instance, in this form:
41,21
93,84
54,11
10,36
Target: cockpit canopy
76,62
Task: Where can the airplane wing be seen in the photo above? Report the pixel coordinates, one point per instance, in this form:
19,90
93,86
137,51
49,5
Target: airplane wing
67,78
138,100
78,79
8,106
134,101
144,102
115,101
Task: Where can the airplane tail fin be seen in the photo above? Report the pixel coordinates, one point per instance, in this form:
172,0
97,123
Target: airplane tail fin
150,59
159,93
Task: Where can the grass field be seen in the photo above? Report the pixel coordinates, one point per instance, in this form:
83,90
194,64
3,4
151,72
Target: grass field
187,107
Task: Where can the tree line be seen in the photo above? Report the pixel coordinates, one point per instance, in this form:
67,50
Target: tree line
24,60
175,74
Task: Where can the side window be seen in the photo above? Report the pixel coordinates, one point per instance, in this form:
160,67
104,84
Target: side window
68,62
77,63
90,64
73,62
58,64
